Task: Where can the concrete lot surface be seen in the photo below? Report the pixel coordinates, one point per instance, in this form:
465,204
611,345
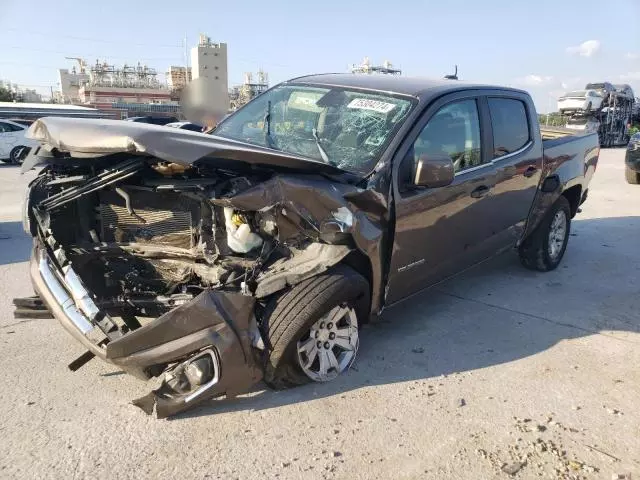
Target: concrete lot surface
499,373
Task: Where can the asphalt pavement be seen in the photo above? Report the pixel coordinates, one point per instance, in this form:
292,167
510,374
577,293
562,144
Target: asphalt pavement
498,373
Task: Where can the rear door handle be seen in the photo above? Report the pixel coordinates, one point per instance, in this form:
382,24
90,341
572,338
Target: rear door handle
480,191
529,172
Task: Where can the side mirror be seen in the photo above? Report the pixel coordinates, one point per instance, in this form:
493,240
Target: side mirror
434,171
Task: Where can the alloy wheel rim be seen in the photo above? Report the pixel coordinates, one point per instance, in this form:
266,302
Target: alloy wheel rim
330,346
557,234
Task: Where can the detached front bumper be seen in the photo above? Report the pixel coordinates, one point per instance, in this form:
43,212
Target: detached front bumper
204,347
57,291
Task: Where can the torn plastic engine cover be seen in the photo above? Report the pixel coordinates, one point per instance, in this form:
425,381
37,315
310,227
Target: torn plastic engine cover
203,253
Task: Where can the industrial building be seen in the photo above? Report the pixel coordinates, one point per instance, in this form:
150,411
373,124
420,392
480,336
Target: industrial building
134,90
209,61
366,68
178,77
241,94
130,90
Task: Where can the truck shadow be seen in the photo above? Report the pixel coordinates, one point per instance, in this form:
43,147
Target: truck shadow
495,313
15,245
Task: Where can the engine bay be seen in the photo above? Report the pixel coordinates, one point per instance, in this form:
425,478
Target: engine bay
149,238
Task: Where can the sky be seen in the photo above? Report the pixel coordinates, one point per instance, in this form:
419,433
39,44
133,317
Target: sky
543,46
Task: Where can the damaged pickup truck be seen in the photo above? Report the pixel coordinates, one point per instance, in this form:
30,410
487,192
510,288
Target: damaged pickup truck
258,251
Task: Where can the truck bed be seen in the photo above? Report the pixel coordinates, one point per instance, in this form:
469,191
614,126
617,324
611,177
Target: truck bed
562,149
550,133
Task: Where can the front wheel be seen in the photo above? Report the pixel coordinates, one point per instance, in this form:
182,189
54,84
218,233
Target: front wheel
544,248
312,329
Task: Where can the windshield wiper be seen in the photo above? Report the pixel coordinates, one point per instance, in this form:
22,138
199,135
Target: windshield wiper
323,153
267,128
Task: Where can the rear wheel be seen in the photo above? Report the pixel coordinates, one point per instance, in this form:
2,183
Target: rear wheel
632,176
544,248
312,329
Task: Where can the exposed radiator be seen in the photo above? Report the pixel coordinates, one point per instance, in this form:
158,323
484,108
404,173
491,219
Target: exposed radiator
170,227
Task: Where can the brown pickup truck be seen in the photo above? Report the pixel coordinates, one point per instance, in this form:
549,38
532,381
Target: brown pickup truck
258,251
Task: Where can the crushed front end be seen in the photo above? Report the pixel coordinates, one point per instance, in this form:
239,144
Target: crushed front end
163,268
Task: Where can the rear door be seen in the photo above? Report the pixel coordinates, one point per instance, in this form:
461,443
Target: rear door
516,153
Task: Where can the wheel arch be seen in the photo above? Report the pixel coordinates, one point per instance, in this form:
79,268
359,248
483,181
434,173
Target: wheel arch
573,195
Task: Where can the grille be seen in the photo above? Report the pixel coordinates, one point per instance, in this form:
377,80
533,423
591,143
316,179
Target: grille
169,227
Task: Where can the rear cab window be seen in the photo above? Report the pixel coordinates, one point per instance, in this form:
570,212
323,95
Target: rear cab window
510,124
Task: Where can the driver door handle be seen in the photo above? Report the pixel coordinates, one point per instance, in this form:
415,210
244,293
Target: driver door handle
530,171
480,191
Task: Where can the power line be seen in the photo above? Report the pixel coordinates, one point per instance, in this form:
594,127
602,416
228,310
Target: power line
89,39
97,56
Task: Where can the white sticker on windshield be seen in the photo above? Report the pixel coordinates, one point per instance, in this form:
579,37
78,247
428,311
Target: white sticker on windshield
374,105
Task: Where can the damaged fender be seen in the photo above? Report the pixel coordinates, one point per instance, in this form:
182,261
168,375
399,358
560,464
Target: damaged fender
336,214
219,327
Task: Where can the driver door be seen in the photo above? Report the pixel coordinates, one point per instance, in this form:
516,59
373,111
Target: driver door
440,231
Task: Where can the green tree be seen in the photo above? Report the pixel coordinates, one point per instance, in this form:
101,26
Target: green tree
6,95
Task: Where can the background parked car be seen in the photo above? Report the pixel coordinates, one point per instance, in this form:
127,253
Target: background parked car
26,123
194,127
580,101
587,124
632,160
154,120
605,89
14,147
625,90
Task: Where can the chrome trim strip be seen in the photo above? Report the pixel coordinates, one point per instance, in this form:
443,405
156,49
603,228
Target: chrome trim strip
517,152
62,297
210,383
79,293
495,160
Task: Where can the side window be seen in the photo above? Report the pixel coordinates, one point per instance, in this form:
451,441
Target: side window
454,131
13,128
510,125
3,127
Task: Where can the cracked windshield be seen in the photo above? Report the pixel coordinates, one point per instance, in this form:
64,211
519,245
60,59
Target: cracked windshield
345,128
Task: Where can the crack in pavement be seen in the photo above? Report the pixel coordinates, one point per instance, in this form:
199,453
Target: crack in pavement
9,325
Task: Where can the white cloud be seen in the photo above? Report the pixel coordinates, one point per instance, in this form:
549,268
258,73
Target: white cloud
630,76
585,49
535,80
632,56
571,82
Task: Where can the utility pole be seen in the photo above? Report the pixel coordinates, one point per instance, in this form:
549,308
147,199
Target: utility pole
186,57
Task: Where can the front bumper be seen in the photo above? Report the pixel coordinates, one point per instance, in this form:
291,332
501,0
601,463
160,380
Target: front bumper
59,296
218,325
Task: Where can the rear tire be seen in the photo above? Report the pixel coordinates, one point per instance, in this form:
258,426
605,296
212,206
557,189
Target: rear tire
631,176
290,317
543,249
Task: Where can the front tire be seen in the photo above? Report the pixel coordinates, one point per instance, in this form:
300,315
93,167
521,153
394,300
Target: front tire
324,310
631,176
544,248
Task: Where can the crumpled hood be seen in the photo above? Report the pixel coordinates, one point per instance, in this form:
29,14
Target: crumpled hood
99,137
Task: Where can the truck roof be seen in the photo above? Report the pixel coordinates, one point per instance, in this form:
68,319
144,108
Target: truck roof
418,87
